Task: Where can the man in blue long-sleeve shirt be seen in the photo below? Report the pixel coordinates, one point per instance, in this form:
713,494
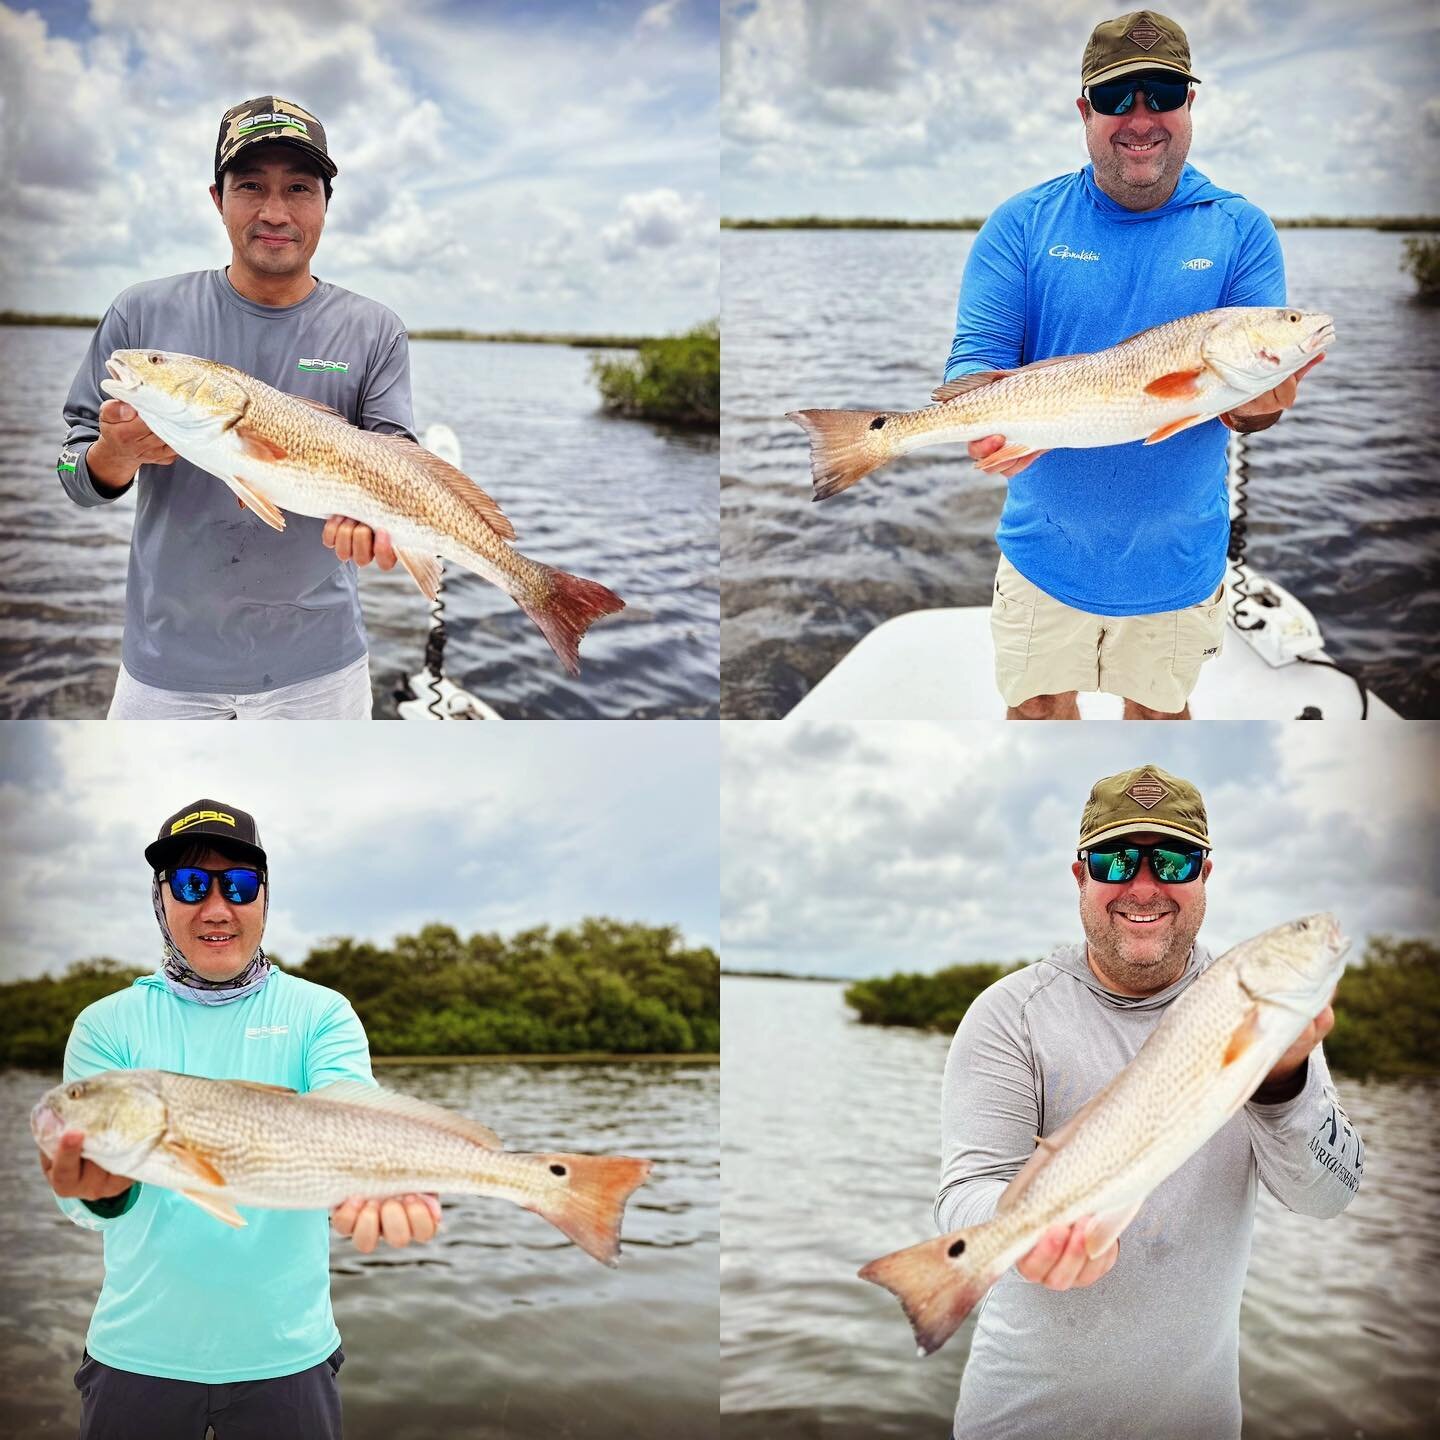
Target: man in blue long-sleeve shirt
1113,559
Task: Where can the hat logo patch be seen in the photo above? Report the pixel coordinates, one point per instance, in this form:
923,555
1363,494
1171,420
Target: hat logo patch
196,816
1144,35
1147,792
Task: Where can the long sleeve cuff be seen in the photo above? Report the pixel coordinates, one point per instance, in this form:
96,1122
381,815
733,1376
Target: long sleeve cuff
97,1214
79,485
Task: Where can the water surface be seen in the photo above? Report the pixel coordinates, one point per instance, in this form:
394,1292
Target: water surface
622,501
831,1157
1341,499
497,1328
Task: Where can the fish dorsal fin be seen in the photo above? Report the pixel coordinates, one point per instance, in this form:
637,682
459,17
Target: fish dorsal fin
261,1085
321,406
456,481
1046,1148
964,383
375,1097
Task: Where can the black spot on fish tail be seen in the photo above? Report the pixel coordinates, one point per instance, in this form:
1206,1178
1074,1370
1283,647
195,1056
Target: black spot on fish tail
956,1250
878,423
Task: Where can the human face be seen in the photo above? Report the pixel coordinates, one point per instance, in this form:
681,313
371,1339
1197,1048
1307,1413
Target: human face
273,206
216,938
1138,179
1140,932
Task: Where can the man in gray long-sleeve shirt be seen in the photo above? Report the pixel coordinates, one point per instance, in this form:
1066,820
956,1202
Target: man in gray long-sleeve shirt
224,617
1144,1339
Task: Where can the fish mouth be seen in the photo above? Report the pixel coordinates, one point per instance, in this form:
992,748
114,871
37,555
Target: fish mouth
1323,337
122,378
47,1128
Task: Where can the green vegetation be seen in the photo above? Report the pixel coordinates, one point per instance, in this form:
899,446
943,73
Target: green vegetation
1422,260
602,986
925,1002
1387,1012
1304,222
19,317
532,337
676,379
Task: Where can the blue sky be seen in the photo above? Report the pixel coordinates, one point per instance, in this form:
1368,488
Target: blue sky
915,846
929,109
369,833
531,166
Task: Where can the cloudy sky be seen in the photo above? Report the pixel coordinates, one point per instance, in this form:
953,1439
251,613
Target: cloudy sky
527,824
502,164
940,108
849,853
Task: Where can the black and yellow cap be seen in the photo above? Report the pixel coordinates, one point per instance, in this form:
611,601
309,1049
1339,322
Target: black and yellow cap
1146,798
1141,40
269,118
208,820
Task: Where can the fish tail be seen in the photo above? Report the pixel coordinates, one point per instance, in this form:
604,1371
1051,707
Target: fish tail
937,1282
845,446
590,1207
566,609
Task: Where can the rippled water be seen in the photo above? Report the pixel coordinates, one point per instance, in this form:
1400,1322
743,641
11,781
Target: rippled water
624,502
1342,493
830,1154
498,1327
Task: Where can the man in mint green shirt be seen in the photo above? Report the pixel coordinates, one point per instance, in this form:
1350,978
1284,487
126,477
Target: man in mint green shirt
196,1323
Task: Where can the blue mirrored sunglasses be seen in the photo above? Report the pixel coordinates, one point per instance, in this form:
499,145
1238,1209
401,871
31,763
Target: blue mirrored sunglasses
1117,97
1117,864
190,885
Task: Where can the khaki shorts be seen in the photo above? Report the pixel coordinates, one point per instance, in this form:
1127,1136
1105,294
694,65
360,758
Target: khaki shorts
1045,648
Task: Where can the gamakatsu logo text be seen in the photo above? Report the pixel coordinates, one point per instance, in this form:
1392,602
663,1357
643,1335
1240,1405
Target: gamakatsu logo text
340,365
1064,252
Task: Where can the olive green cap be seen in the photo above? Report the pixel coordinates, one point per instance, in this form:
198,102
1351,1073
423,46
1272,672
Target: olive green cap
1141,40
1146,798
269,118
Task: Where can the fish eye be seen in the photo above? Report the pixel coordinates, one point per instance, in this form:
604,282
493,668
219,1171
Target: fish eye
157,359
1294,318
75,1091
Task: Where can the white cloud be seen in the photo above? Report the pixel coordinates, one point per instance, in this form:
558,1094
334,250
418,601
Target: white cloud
654,220
657,17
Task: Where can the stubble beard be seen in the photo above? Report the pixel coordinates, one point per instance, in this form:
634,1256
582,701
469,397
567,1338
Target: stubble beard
1119,955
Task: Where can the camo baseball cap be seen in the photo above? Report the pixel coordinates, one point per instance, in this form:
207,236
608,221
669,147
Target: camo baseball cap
1141,40
1146,798
273,119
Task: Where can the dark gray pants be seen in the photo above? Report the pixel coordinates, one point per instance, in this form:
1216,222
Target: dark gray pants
119,1405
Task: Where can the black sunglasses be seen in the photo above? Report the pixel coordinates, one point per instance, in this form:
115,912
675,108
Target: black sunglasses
190,885
1116,97
1116,864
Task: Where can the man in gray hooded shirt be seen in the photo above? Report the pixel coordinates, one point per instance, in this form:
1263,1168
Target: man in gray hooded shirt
224,617
1143,1340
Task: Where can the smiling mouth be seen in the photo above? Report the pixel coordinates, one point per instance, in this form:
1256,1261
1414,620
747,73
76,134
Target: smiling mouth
216,939
1149,147
1141,918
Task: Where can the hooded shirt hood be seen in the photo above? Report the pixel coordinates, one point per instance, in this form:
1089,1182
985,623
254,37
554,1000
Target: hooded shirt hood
1192,188
1071,959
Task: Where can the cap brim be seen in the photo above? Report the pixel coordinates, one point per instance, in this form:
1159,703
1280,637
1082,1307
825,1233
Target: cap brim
159,852
1135,67
1135,827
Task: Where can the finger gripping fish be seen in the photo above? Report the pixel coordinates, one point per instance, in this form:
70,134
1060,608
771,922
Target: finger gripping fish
1200,1064
280,452
223,1143
1148,388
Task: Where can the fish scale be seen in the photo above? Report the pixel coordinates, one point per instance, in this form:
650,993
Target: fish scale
226,1142
1205,1058
1148,387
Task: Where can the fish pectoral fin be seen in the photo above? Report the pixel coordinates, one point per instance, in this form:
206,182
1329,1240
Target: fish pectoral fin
1003,456
192,1160
374,1097
217,1206
1243,1037
1104,1229
1175,427
258,445
424,570
1180,385
256,501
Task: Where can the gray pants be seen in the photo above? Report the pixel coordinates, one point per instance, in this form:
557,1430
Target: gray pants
119,1405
